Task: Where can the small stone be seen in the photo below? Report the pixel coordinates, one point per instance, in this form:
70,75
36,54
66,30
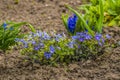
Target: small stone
46,5
119,43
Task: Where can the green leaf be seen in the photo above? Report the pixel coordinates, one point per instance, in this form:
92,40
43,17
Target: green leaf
64,19
32,28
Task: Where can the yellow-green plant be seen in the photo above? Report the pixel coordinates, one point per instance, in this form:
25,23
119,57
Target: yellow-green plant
112,12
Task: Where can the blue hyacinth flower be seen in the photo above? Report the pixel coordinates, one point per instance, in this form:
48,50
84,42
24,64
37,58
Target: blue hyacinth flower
72,20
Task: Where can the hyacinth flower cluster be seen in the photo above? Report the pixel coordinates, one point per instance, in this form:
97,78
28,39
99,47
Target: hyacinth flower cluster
44,47
71,23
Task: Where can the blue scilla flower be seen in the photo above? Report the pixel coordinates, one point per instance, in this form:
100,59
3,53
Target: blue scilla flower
71,44
98,36
11,28
108,36
39,33
47,55
37,47
82,36
33,42
58,37
72,20
25,44
87,36
100,39
22,41
100,43
81,39
75,37
41,45
4,26
52,49
46,36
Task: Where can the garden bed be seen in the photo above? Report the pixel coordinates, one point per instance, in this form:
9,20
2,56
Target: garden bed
46,14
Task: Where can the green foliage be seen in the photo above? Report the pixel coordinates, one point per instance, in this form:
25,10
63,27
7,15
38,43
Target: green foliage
8,32
94,14
110,8
112,12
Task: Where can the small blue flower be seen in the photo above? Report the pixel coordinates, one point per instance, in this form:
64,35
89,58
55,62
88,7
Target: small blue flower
36,48
82,36
46,36
11,28
58,37
4,26
24,43
87,36
41,45
71,44
98,37
33,42
52,49
108,36
39,33
99,43
75,37
81,39
47,55
79,46
72,20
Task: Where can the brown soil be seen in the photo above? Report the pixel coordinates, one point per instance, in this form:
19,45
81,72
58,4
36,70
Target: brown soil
47,15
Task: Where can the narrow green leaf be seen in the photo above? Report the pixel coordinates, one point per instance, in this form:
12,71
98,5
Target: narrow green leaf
32,28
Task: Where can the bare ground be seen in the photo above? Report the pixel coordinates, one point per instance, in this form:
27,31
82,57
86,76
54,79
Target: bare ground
46,14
